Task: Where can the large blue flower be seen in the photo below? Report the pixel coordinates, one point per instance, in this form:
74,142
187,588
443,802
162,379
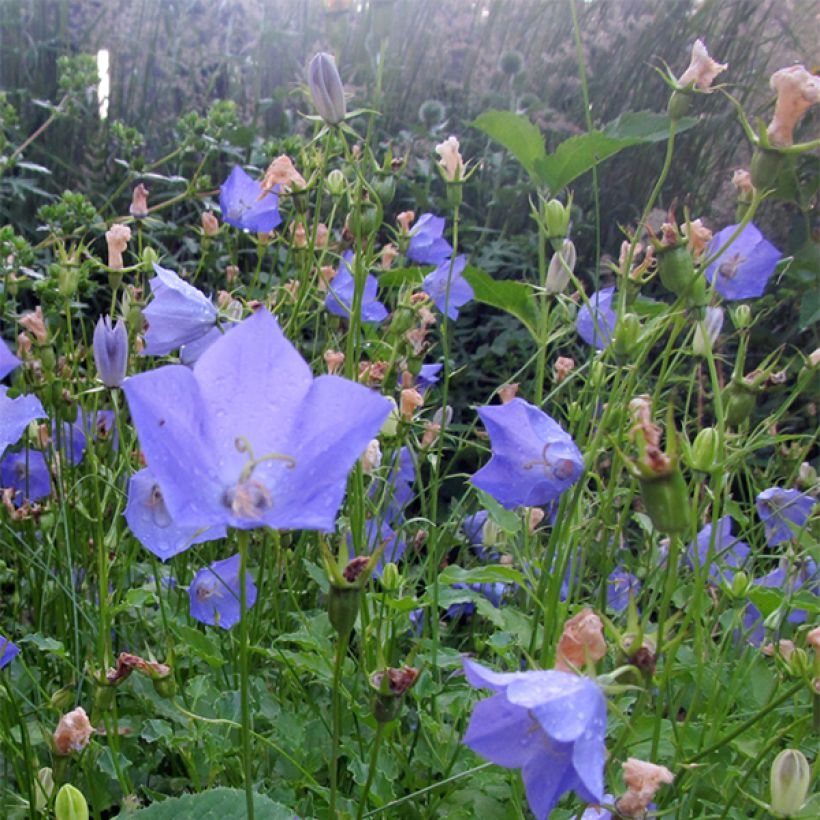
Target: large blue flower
427,244
727,555
743,269
247,437
214,593
341,289
8,361
244,206
151,523
783,513
551,725
27,473
447,287
595,322
177,315
534,460
16,415
8,651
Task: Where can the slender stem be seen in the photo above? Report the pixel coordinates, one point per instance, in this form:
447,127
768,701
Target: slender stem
371,770
341,652
245,711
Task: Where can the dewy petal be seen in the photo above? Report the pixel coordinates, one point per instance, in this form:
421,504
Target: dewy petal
15,416
152,525
8,361
745,267
177,439
214,593
783,512
435,285
502,732
481,677
547,776
242,207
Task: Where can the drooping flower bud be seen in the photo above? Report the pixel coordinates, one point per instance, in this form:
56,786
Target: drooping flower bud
70,804
560,267
790,779
326,88
110,351
73,732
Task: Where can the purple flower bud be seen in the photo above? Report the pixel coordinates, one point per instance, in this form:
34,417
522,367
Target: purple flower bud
326,88
110,351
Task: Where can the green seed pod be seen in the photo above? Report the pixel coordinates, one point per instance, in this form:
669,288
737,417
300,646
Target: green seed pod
676,269
70,804
403,319
679,104
627,335
386,706
666,500
391,579
366,218
385,188
165,687
343,608
336,183
790,779
765,168
705,455
738,402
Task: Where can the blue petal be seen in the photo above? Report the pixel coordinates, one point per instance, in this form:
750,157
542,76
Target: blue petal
15,416
483,678
595,322
26,472
241,206
8,361
8,651
547,776
214,593
502,733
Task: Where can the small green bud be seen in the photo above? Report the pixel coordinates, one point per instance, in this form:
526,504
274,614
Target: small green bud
491,534
165,687
68,279
384,186
679,104
403,319
365,218
676,269
597,374
705,454
666,500
799,664
149,258
336,182
738,402
765,168
740,585
70,804
343,608
627,336
790,780
556,218
742,317
391,578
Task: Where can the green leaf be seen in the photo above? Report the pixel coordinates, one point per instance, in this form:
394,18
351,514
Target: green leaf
508,520
200,645
516,298
517,134
214,804
646,126
45,644
488,574
401,276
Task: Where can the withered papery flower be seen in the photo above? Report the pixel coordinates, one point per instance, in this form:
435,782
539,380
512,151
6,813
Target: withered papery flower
73,732
642,781
139,202
702,68
405,220
410,400
507,392
117,238
564,365
210,224
334,359
450,159
35,323
282,172
698,237
742,180
797,90
581,640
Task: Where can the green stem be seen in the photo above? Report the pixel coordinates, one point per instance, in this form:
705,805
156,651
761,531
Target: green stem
341,651
371,770
245,711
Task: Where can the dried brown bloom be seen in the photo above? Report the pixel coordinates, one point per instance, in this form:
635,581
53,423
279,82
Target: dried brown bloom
73,732
535,515
581,640
813,639
128,663
23,345
784,648
507,392
139,202
372,458
411,399
117,238
405,220
742,180
298,235
35,324
702,68
642,781
431,433
417,339
373,373
231,272
355,568
399,680
282,172
389,254
563,367
322,234
450,159
210,224
797,90
334,359
698,236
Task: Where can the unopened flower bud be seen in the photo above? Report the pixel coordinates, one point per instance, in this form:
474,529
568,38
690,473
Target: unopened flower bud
739,402
110,351
627,336
44,788
765,168
742,317
556,218
149,258
790,779
740,585
560,267
70,804
326,88
391,578
705,454
336,182
707,331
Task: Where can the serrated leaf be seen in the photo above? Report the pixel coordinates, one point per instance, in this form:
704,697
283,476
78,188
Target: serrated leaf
44,644
200,645
488,574
214,804
646,126
515,298
509,521
517,134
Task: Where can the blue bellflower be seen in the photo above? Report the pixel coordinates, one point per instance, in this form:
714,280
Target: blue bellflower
152,525
595,322
110,351
550,724
177,315
493,592
341,288
247,437
244,206
214,593
16,415
73,436
28,474
427,243
744,268
728,553
619,586
8,361
448,299
8,651
783,513
599,812
534,460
